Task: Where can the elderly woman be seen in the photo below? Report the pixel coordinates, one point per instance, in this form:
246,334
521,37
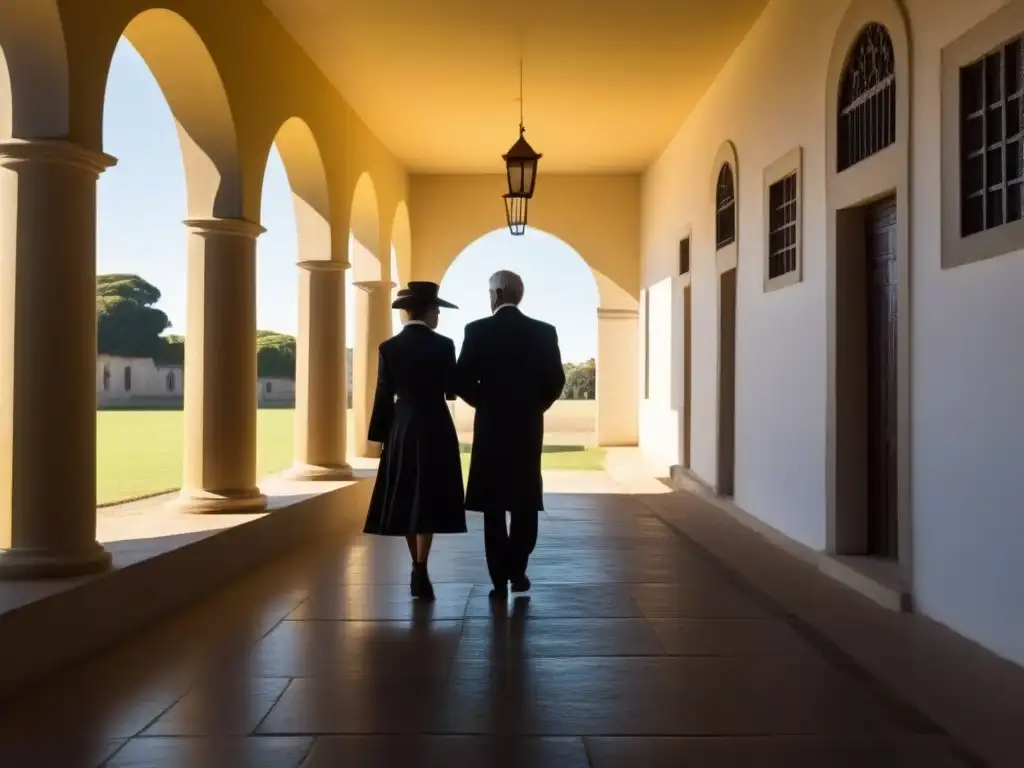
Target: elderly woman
419,488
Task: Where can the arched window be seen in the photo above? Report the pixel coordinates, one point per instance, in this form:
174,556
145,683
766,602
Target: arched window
128,378
725,208
106,378
170,381
867,98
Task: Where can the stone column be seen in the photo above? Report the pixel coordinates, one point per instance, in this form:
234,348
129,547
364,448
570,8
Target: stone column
48,353
321,395
220,368
618,407
373,325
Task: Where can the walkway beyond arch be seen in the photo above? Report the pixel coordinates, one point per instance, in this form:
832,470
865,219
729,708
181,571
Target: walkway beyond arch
617,412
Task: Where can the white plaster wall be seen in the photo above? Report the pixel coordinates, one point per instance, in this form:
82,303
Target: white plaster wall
660,434
968,380
281,390
967,323
149,380
767,100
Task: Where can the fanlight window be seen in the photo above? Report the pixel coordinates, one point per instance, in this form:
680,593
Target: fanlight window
725,208
867,98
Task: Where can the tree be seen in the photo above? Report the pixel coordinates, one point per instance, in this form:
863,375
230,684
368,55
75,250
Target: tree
580,381
128,324
275,355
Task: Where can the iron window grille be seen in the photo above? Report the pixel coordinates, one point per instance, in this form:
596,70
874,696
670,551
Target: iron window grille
782,229
725,208
867,98
991,146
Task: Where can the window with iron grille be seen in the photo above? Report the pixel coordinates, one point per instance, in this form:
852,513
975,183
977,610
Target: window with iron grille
991,149
867,98
684,256
725,208
782,227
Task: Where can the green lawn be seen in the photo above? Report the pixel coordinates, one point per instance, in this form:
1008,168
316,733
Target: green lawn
139,452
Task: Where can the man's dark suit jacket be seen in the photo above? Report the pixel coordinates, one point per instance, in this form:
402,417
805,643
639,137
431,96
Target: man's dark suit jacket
510,371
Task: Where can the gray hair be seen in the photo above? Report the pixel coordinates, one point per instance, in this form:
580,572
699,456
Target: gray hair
509,283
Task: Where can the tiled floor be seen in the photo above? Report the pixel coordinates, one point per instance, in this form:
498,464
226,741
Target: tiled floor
633,649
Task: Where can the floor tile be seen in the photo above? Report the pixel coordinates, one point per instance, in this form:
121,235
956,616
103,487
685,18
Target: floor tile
563,601
382,603
227,707
661,696
212,752
58,749
446,752
713,599
729,637
331,649
360,704
774,752
503,640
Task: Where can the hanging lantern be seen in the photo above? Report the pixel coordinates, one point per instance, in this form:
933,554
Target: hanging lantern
521,167
515,213
521,173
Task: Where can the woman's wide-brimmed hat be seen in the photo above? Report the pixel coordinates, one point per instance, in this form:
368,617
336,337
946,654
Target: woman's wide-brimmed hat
419,293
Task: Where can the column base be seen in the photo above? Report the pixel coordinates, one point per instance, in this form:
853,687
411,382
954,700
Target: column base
26,564
369,451
200,502
319,472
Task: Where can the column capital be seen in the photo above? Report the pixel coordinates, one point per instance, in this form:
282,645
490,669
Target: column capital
15,152
617,314
322,265
214,226
371,286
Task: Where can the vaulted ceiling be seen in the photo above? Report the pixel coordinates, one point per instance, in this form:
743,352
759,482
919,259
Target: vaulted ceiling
607,83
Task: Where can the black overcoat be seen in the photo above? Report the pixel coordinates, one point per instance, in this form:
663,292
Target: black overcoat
419,485
510,371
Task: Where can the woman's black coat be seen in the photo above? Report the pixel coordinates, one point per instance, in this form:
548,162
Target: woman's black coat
419,486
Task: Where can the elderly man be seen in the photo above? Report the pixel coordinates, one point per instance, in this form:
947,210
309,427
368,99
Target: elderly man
510,371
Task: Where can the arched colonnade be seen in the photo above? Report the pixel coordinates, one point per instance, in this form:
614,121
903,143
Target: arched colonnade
229,111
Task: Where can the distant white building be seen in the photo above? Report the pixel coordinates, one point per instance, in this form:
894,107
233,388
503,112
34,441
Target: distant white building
120,380
272,390
143,381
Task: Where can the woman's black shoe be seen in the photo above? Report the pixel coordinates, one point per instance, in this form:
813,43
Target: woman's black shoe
422,589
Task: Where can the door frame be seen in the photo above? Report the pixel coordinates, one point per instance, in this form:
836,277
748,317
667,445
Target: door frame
878,469
726,259
883,174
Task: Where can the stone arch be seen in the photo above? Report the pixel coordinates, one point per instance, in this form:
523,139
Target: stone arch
364,226
307,177
33,71
726,168
579,255
616,326
191,83
850,192
725,181
401,245
610,295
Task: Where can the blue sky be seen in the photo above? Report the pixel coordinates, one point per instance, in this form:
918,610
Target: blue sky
142,205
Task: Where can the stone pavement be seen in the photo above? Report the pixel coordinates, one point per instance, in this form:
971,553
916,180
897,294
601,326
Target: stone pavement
635,648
